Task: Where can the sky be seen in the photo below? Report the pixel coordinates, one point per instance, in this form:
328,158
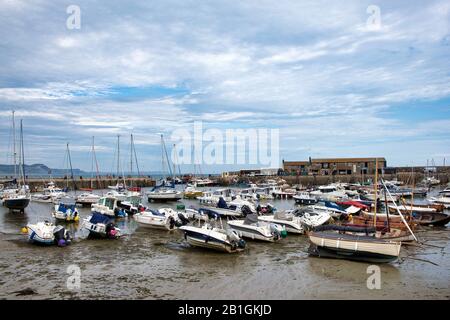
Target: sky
317,71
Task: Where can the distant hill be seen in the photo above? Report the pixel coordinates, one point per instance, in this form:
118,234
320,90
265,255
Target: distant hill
38,170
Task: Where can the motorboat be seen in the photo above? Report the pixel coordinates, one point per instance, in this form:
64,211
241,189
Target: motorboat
66,211
164,192
304,198
132,204
252,228
235,208
290,222
109,206
46,233
101,226
311,218
87,199
191,192
215,238
164,218
213,197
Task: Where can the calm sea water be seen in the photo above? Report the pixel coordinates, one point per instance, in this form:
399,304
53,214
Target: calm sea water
152,264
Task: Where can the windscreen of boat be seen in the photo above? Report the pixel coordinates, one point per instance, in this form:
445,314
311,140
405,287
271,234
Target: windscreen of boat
251,219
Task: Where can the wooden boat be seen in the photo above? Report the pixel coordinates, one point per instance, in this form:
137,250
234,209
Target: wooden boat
437,207
431,219
332,244
410,208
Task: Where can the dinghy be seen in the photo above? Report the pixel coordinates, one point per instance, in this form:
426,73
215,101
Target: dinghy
46,233
254,229
101,226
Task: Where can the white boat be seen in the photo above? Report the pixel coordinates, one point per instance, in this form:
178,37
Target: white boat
210,237
333,212
409,208
47,233
213,197
235,208
254,229
304,198
108,206
441,200
66,211
202,182
164,218
164,194
87,199
312,218
290,222
119,195
101,226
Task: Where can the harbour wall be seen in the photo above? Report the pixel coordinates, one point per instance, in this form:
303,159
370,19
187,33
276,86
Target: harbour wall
36,184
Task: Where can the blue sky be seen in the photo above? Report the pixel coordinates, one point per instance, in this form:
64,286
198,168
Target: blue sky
312,69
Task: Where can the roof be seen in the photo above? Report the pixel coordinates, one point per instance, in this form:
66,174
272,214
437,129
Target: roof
295,163
348,160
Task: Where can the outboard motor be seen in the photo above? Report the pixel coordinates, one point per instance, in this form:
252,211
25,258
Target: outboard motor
246,210
278,231
183,219
62,236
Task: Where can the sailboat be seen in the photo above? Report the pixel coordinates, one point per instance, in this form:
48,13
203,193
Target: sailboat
17,199
164,191
88,198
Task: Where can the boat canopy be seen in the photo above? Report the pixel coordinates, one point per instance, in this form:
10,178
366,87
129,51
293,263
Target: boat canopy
63,207
251,219
99,218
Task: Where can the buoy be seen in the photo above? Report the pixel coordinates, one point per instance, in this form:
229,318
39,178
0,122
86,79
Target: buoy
76,218
24,230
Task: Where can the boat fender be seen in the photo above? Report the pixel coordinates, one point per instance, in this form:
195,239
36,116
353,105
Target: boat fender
24,230
241,243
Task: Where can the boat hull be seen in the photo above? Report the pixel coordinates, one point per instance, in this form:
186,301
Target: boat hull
16,204
353,247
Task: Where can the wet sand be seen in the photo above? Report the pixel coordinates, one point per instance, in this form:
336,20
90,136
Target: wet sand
153,264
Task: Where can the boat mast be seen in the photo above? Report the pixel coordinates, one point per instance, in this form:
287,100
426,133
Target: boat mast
22,153
92,163
71,169
14,144
131,160
118,158
376,194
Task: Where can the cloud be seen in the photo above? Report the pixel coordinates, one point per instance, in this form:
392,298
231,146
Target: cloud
311,68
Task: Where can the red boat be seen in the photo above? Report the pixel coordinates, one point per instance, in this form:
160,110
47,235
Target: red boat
353,203
135,189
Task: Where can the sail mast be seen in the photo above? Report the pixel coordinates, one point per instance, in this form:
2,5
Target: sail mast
376,194
71,168
92,163
22,154
14,144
